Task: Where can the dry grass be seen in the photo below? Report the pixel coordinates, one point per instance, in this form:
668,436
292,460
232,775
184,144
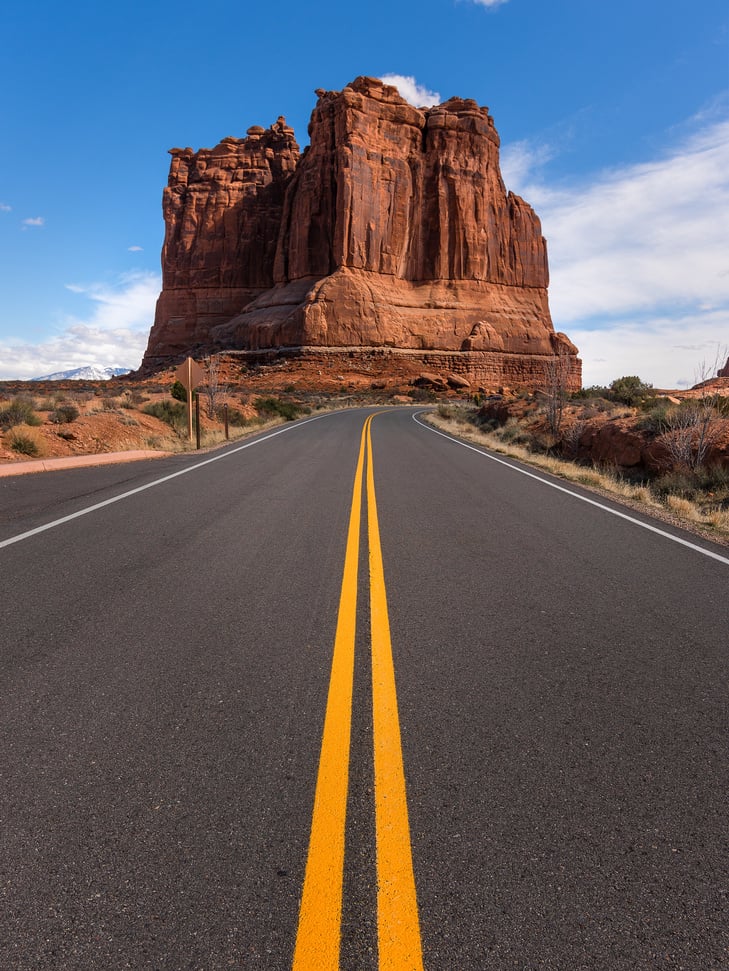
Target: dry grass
25,440
710,521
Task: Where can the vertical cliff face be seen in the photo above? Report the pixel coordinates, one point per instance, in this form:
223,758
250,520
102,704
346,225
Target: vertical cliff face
393,229
417,195
222,210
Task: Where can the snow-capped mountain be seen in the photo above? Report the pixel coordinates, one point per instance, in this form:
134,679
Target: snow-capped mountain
89,373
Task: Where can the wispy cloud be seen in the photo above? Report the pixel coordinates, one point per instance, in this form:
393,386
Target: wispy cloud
417,94
136,249
112,331
522,161
636,248
490,3
669,351
5,208
34,221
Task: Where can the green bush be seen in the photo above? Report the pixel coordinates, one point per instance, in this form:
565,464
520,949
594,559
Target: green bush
179,391
20,411
693,484
172,412
655,421
64,415
272,407
630,390
594,391
513,432
236,418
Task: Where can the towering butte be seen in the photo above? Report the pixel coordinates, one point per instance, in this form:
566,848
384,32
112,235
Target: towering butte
392,233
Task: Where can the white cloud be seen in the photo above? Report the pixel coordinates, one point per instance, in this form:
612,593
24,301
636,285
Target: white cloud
112,333
5,208
639,256
667,351
136,249
411,91
34,221
521,160
490,3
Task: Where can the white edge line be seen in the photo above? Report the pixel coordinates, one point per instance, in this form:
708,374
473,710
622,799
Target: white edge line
151,485
575,495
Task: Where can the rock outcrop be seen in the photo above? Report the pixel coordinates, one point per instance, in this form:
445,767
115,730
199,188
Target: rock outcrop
724,372
393,230
222,210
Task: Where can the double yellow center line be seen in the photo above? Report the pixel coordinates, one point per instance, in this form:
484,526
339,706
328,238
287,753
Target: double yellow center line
320,918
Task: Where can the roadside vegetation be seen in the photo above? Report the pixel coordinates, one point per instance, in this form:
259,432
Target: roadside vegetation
105,417
676,452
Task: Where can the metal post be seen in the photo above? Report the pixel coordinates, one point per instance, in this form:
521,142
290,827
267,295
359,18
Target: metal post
197,418
225,413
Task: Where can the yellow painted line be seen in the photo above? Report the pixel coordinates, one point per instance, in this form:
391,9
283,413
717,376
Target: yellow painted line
320,917
318,940
398,926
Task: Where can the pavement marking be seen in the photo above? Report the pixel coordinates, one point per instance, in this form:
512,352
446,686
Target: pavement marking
576,495
150,485
318,940
320,918
398,927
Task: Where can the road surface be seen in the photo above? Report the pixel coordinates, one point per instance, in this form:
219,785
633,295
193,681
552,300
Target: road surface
354,695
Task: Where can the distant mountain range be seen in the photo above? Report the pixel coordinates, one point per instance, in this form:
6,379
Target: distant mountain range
89,373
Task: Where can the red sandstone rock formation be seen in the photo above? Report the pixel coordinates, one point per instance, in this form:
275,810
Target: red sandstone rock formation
222,210
724,372
393,230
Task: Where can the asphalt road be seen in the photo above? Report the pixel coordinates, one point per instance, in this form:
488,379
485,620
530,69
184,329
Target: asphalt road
165,663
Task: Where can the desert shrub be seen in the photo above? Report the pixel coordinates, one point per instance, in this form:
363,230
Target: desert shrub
485,422
721,404
179,391
655,421
174,413
24,441
236,418
675,483
272,407
514,433
594,391
630,389
133,399
64,414
596,406
20,411
571,435
692,429
46,404
445,411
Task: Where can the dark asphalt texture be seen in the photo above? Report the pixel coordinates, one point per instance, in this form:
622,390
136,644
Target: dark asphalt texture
164,662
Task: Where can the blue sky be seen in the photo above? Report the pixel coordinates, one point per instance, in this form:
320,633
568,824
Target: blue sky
614,122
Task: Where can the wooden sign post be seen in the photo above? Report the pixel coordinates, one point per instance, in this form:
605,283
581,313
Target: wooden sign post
190,374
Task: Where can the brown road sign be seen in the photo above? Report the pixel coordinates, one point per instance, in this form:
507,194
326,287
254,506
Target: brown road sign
190,374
